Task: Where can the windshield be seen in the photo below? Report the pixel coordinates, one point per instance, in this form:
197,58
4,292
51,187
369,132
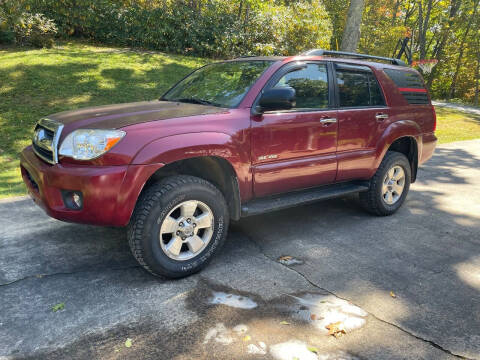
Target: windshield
220,84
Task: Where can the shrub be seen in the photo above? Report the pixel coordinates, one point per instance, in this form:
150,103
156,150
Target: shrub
35,30
20,26
216,28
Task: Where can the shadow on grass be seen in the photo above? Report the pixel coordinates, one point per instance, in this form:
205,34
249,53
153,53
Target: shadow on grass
74,79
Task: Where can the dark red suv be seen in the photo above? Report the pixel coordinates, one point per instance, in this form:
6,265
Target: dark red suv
233,139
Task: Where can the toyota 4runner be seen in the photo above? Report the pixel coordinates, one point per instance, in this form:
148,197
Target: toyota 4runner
233,139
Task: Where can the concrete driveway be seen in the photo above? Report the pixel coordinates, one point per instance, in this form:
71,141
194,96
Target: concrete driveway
249,305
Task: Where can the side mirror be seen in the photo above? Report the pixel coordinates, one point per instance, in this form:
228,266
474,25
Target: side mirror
280,98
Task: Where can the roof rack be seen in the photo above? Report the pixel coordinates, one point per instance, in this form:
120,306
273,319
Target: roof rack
321,52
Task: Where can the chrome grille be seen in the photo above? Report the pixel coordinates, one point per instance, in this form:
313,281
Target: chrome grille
45,140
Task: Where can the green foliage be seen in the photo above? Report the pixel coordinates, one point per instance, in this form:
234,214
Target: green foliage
18,25
35,30
214,28
58,307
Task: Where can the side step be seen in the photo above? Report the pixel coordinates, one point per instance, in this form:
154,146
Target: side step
283,201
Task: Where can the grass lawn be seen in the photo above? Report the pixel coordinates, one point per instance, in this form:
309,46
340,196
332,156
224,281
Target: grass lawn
453,125
35,83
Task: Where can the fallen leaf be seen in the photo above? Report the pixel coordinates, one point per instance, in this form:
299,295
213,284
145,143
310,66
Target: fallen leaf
313,317
247,338
58,307
128,343
336,329
313,349
392,294
284,322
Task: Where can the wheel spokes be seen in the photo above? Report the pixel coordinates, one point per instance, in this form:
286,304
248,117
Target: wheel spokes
175,245
169,225
398,189
389,197
188,208
203,221
194,243
391,173
398,174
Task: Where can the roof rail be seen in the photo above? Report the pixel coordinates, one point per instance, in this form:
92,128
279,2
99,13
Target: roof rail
321,52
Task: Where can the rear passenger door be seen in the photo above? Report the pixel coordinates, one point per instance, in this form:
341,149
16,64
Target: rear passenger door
361,114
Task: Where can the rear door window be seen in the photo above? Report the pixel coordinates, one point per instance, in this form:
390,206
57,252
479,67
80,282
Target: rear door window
358,87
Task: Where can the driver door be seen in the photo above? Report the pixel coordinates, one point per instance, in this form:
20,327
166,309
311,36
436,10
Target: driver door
296,149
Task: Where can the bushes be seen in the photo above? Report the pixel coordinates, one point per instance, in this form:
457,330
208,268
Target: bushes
35,30
24,28
215,28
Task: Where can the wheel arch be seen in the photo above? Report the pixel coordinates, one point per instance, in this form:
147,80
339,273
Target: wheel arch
214,169
217,157
408,146
403,136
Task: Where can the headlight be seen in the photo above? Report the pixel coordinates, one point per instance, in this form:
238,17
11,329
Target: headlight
85,144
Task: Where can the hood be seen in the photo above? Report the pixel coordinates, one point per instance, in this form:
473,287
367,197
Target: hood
121,115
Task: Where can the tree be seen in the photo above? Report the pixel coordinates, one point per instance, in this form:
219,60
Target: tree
447,30
351,34
451,93
423,23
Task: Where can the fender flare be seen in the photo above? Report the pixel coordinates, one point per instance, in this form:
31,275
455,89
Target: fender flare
174,148
395,131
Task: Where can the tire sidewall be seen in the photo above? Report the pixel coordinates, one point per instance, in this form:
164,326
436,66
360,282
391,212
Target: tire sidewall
155,257
397,160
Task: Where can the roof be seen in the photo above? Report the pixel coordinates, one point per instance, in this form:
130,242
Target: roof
382,63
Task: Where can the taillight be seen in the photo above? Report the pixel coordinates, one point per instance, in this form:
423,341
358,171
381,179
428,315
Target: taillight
434,118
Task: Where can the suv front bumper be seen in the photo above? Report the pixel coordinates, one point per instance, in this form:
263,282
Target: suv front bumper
109,192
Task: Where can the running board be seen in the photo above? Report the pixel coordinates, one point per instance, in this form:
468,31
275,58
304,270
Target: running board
283,201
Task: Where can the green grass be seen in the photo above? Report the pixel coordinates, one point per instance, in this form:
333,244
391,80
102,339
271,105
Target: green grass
35,83
453,125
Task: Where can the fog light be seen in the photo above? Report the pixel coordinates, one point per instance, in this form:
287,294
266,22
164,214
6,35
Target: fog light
72,199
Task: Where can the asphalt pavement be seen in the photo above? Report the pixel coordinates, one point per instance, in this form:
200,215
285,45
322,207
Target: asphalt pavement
322,281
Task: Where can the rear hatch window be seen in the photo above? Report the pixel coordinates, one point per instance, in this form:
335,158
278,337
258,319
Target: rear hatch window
410,85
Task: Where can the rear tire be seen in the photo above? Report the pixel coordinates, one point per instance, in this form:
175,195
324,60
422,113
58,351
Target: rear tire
178,225
389,186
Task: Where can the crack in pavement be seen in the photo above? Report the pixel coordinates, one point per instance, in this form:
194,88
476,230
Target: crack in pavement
432,343
41,276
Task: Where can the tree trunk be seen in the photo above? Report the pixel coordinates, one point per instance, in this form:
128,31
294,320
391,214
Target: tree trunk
395,11
454,7
453,85
423,23
477,75
351,34
477,80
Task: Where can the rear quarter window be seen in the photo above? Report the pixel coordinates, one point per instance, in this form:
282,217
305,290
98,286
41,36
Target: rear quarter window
410,85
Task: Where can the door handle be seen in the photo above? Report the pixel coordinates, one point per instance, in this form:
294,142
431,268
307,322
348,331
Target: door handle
327,121
381,117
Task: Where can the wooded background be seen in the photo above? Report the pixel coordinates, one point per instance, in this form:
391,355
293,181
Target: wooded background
446,30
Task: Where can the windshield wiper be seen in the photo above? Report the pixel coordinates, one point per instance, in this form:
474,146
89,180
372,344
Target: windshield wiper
193,100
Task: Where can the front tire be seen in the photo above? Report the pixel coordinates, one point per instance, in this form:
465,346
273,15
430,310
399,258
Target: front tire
178,225
389,186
